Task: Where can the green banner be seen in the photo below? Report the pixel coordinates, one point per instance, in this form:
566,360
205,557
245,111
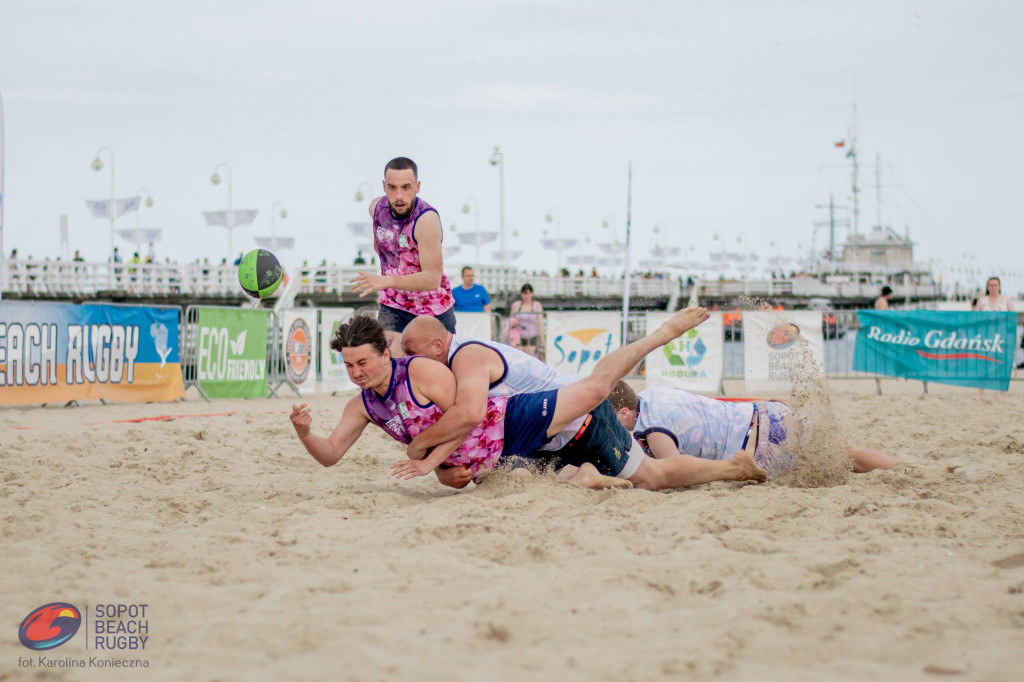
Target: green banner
232,352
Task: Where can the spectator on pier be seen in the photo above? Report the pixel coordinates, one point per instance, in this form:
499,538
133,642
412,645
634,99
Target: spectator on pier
994,299
470,297
359,259
882,302
529,316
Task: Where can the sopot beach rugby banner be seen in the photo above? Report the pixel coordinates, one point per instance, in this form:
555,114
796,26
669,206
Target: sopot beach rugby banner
55,352
958,348
693,361
780,347
232,352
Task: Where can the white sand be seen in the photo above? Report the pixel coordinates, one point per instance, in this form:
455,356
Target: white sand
258,563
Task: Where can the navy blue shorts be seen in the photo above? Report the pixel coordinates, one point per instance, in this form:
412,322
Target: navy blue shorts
527,420
604,442
395,320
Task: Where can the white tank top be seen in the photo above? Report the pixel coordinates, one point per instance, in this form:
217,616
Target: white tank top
523,374
701,427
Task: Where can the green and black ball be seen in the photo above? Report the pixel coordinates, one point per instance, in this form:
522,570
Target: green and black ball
260,273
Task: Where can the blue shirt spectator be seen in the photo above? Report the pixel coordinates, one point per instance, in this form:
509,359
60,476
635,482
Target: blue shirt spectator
470,298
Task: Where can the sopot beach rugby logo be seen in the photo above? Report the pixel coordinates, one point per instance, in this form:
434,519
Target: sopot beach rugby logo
298,358
49,626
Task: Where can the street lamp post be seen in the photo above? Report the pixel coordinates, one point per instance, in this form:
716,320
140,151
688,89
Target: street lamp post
97,165
557,243
138,218
215,179
558,232
359,191
498,159
273,215
476,215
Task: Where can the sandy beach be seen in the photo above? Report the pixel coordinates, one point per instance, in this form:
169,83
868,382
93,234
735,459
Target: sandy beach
257,563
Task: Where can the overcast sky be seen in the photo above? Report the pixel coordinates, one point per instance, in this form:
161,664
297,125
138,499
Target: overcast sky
728,111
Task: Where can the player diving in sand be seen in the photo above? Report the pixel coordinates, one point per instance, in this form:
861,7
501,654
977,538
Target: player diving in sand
485,369
669,422
404,396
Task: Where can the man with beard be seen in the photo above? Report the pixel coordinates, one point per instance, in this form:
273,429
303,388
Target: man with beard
407,239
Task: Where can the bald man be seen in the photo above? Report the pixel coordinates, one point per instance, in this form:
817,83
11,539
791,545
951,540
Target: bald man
485,369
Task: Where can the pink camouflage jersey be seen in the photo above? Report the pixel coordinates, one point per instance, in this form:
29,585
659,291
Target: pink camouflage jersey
402,418
395,242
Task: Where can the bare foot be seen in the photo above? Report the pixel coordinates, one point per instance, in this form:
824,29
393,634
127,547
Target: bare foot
589,477
747,469
566,472
683,321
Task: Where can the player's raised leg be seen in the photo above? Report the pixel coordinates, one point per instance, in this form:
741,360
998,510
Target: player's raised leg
583,396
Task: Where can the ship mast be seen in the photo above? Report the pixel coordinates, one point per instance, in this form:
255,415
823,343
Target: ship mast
853,180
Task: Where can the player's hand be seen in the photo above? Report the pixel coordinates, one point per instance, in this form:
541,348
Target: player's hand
301,419
408,468
412,451
454,477
367,283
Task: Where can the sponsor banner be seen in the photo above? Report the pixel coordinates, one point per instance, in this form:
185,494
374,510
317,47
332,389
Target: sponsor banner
232,352
576,341
693,361
473,325
55,352
781,344
958,348
333,376
299,348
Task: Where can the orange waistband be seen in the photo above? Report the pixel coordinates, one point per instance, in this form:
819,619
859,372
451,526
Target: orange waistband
586,423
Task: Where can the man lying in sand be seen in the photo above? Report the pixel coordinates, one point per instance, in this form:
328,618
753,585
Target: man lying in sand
485,369
405,395
669,421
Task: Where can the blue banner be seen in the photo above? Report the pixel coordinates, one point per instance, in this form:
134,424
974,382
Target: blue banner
54,352
958,348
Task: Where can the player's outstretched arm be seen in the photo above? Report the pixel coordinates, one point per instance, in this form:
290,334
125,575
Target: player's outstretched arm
329,450
411,468
428,240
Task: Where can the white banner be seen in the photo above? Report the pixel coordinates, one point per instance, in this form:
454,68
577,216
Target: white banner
334,378
220,218
693,361
275,243
473,325
100,208
780,345
299,352
576,341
